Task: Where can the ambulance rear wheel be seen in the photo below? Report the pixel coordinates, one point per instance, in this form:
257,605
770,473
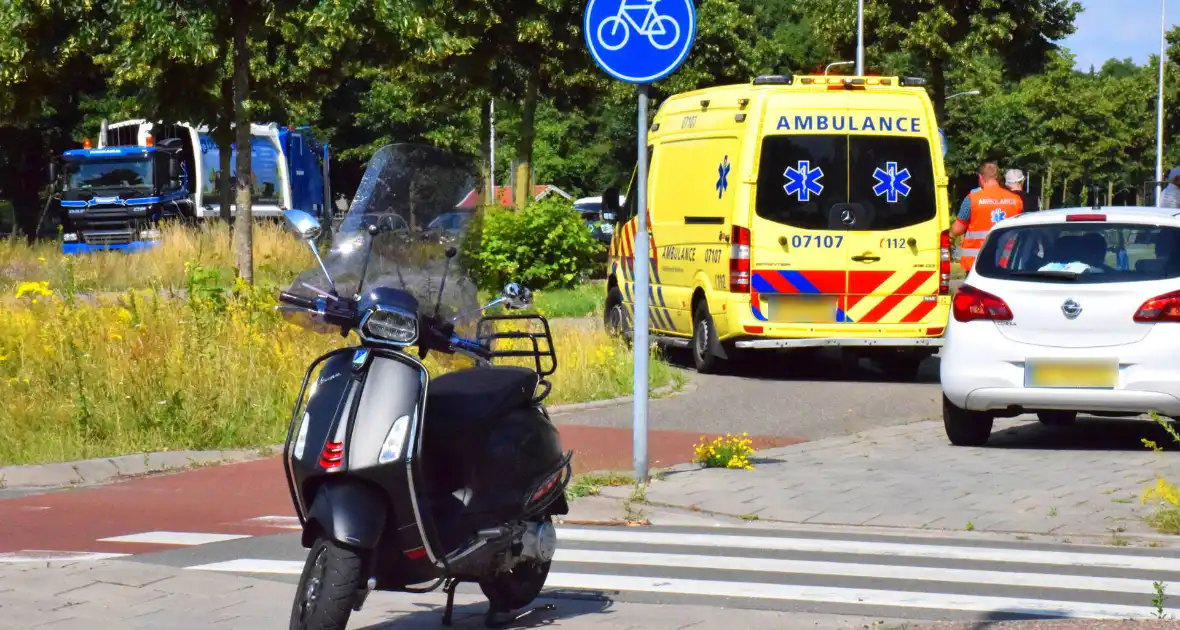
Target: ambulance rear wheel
614,315
704,341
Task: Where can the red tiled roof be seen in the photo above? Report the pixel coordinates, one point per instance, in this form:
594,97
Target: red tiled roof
504,196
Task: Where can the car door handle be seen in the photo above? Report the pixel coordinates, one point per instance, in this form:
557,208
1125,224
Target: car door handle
866,258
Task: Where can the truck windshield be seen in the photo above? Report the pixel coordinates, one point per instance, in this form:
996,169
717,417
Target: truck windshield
807,181
110,173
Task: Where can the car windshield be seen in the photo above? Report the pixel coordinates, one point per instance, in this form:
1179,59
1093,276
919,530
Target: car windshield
405,189
1092,253
807,181
110,173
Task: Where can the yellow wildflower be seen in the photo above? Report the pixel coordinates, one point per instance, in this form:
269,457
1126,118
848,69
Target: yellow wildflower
32,288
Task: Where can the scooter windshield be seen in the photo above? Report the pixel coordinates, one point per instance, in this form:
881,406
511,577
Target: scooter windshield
421,198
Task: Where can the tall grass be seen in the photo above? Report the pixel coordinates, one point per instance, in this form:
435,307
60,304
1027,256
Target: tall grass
278,256
140,372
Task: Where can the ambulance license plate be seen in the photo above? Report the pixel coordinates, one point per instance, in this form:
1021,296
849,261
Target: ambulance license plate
803,309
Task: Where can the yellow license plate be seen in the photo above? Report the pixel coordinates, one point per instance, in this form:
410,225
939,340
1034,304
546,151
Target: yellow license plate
1072,374
803,309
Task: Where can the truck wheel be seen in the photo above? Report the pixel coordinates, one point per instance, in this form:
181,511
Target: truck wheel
963,427
704,336
327,588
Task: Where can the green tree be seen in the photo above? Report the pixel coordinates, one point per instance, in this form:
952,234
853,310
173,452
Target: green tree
939,35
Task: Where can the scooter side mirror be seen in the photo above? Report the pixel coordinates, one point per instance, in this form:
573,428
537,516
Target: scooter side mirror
303,224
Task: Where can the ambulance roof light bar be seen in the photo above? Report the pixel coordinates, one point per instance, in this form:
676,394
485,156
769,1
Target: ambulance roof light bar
774,79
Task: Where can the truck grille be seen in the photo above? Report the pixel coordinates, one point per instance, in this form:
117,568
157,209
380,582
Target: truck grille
108,237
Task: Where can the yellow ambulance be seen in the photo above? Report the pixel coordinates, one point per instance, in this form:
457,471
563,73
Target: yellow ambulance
792,212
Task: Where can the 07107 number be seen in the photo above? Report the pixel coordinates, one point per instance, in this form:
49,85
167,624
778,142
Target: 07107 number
826,241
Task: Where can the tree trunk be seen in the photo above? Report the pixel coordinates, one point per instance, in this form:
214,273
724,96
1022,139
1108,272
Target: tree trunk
486,194
523,192
225,138
938,89
1110,195
1065,192
1047,189
243,232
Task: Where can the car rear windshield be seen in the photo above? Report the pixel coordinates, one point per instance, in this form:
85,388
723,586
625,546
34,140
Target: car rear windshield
1092,253
808,181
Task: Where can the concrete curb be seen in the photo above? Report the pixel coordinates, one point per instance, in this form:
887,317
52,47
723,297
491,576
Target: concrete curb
90,472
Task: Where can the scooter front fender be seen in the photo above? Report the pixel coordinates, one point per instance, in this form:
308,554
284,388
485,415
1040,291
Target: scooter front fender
349,512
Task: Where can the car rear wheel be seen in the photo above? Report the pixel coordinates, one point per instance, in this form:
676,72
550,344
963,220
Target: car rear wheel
1057,418
963,427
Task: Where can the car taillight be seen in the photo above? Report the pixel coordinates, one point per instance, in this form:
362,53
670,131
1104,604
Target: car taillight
739,260
332,455
1163,308
971,304
944,263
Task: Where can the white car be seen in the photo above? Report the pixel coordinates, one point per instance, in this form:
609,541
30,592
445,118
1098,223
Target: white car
1066,311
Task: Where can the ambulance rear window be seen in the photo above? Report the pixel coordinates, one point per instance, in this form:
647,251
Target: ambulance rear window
809,181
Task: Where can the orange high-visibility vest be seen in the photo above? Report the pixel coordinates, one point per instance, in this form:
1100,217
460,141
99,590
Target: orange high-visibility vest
989,205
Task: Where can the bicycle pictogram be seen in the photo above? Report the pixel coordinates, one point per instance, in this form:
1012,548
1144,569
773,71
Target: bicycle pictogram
661,30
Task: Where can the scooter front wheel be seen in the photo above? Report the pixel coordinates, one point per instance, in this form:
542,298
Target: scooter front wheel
327,588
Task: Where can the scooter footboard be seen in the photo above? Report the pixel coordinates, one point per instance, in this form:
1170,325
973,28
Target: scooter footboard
350,512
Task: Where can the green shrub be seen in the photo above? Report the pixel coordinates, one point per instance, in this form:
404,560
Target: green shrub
544,246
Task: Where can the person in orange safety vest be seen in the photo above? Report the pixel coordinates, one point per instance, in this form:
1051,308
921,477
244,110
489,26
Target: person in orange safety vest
982,209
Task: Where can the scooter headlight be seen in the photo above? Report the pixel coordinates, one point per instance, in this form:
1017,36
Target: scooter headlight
391,450
393,325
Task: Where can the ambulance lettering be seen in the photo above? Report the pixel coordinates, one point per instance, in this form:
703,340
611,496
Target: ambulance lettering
850,123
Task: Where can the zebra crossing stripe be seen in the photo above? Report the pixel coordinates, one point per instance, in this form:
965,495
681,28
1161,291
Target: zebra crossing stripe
985,554
852,596
857,570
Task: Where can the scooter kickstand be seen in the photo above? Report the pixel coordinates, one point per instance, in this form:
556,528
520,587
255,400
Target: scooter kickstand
449,588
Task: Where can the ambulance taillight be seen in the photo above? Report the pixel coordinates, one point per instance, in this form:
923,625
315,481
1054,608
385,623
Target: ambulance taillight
739,260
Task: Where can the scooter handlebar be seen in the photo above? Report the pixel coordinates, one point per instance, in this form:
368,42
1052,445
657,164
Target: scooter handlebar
297,300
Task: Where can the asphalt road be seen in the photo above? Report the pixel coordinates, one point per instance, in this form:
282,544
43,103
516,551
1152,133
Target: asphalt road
809,395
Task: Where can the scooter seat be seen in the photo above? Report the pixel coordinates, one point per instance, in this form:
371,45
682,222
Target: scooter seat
477,395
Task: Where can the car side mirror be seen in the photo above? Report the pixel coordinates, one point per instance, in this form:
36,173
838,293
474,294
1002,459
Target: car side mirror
173,169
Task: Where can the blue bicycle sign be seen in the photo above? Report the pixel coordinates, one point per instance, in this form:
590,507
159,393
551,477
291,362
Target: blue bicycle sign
662,31
639,41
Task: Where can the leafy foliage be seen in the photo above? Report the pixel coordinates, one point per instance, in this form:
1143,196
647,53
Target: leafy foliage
543,246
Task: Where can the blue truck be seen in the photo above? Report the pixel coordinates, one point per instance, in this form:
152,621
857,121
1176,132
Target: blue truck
115,195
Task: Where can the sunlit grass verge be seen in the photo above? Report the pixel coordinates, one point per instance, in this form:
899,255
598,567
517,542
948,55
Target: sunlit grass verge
142,373
278,257
1166,516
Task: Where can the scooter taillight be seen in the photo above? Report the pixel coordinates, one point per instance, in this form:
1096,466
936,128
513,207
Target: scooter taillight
549,484
332,456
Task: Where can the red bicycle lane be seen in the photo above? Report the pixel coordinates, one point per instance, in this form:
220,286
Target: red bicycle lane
224,499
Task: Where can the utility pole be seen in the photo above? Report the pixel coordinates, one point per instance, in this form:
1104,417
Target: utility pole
1159,124
860,38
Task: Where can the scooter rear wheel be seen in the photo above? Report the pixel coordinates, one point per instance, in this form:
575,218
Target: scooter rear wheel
517,588
327,588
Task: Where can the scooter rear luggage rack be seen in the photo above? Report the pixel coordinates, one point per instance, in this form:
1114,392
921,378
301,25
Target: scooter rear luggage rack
540,340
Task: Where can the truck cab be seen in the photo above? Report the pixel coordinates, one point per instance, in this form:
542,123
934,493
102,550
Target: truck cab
114,197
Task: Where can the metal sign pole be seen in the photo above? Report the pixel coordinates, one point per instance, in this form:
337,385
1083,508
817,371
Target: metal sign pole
642,284
1159,125
652,52
860,38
